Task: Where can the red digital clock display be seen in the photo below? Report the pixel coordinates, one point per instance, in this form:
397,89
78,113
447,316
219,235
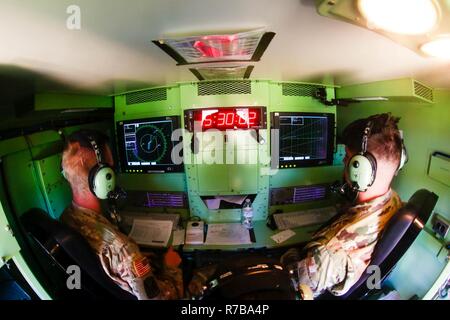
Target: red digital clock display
229,118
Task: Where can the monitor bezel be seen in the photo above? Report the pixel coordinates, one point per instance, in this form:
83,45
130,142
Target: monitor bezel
275,124
143,169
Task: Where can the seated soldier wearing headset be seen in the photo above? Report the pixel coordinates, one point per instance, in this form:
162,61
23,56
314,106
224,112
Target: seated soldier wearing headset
338,253
87,165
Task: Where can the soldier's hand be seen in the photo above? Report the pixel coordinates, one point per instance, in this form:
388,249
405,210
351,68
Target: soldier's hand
200,279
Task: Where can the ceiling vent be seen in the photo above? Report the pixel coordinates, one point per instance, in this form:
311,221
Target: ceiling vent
151,95
423,91
299,89
224,87
222,72
399,90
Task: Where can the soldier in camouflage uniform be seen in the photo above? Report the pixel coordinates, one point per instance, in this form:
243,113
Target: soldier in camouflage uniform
119,255
340,252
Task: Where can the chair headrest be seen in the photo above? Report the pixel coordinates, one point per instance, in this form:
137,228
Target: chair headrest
37,222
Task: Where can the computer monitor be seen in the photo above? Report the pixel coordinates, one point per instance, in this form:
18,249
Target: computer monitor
145,145
304,139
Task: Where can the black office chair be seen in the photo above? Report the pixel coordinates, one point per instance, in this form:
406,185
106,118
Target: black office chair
249,277
397,237
62,246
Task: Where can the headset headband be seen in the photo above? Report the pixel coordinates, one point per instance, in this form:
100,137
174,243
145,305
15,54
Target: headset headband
365,138
98,154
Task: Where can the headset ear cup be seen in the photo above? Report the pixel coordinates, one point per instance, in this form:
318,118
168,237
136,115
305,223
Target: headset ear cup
91,178
362,171
104,181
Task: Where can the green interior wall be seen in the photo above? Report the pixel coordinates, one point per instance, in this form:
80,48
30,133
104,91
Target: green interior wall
30,166
426,129
226,179
31,178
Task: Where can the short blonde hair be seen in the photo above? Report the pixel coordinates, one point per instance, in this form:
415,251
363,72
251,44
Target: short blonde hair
76,164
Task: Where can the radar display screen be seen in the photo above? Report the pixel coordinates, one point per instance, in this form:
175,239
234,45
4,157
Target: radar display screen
304,139
146,145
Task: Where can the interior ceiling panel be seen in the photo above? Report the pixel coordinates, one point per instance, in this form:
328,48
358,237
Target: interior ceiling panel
113,52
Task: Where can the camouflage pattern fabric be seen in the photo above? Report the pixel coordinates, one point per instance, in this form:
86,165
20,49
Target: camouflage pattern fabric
121,258
338,254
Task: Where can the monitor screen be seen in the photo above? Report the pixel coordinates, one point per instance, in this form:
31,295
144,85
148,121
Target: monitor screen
145,145
304,139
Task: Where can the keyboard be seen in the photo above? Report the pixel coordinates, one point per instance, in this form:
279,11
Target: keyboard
303,218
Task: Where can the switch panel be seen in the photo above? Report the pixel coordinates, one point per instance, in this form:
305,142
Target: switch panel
440,225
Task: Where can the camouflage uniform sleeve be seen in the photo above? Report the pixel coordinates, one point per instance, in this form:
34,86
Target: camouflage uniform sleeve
127,267
324,269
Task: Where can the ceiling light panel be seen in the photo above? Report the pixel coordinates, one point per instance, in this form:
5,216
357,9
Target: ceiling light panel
244,46
410,23
410,17
439,47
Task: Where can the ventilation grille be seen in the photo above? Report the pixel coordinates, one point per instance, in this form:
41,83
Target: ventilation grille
299,90
423,91
224,87
165,200
293,195
310,193
158,94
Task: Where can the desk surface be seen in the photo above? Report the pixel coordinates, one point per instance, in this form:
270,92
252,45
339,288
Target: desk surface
262,236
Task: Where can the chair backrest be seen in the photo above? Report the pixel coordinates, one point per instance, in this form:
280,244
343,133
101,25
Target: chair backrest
397,237
250,277
65,247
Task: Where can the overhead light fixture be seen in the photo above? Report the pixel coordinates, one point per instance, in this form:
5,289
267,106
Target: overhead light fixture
222,72
439,47
370,99
243,46
409,17
410,23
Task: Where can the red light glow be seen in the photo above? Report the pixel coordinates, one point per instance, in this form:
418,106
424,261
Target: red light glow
228,118
217,46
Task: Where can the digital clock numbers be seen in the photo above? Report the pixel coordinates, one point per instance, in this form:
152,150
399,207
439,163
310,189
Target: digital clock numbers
228,118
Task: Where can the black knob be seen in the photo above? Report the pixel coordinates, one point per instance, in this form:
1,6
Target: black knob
355,164
108,176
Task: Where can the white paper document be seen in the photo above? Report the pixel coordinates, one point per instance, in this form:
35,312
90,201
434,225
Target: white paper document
282,236
151,232
227,234
129,216
214,203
